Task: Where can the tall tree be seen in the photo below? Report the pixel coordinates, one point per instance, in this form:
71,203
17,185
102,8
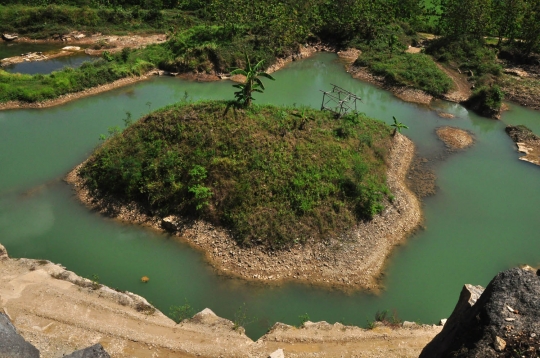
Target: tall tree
506,17
530,33
464,19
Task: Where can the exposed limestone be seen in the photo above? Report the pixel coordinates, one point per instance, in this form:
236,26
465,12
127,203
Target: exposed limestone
351,262
59,317
527,142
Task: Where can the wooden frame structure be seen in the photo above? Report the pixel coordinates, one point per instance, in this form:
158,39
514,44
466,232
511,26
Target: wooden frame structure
339,101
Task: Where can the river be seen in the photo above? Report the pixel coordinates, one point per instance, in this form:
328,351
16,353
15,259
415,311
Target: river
483,218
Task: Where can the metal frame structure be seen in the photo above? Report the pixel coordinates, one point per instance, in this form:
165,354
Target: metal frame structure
342,101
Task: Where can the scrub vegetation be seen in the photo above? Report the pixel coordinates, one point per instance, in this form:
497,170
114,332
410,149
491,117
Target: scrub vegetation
213,36
272,175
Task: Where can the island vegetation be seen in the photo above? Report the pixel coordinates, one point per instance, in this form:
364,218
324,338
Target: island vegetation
272,175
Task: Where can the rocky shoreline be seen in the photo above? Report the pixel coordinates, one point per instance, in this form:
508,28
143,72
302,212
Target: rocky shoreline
59,312
352,262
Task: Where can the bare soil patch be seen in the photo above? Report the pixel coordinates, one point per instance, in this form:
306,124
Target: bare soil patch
351,262
462,88
455,138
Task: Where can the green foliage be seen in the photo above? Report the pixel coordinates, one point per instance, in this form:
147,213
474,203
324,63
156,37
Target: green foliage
303,319
387,318
398,126
241,318
472,55
180,313
251,84
264,175
406,69
487,100
33,88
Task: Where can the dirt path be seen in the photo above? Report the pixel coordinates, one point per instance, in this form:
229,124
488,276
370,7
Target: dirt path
462,88
58,317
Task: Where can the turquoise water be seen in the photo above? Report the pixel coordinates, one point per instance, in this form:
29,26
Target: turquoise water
48,66
482,219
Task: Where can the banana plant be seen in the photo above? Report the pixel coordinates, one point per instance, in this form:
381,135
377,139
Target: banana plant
398,126
252,83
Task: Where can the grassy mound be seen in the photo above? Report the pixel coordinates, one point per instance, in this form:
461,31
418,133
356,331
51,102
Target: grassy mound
405,69
272,175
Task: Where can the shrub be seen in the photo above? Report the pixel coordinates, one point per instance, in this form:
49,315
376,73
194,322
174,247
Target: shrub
269,177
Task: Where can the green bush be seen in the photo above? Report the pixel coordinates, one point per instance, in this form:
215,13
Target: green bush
487,100
261,172
406,69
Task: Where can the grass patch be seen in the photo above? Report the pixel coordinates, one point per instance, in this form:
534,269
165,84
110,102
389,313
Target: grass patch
34,88
405,69
271,175
200,48
50,20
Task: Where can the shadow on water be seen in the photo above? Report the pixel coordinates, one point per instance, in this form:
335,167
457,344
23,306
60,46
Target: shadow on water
482,219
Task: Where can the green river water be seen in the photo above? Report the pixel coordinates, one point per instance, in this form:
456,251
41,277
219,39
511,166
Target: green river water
483,219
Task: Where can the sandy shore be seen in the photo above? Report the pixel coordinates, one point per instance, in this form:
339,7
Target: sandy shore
352,262
59,312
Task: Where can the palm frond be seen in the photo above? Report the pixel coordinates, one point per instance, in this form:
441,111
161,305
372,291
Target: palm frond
264,74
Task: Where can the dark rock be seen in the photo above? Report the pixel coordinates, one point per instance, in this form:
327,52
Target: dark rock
169,223
473,327
12,345
521,133
95,351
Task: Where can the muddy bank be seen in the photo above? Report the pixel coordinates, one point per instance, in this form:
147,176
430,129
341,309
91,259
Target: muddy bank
59,312
351,262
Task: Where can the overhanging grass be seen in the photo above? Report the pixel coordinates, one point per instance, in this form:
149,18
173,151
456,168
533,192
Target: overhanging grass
34,88
406,69
272,175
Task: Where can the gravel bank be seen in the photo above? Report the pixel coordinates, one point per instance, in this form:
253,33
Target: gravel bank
352,262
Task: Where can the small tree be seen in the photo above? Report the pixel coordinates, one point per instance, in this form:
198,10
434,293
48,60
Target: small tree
251,84
398,126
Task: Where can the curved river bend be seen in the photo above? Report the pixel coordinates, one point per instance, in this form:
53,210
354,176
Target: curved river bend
483,219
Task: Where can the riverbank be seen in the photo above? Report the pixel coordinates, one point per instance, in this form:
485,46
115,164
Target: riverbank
351,262
59,312
73,96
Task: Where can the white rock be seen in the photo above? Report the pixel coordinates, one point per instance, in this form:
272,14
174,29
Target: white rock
442,322
499,344
277,354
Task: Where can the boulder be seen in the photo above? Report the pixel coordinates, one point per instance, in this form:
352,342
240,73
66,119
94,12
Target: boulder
482,325
169,223
3,253
442,322
8,37
277,354
95,351
12,344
